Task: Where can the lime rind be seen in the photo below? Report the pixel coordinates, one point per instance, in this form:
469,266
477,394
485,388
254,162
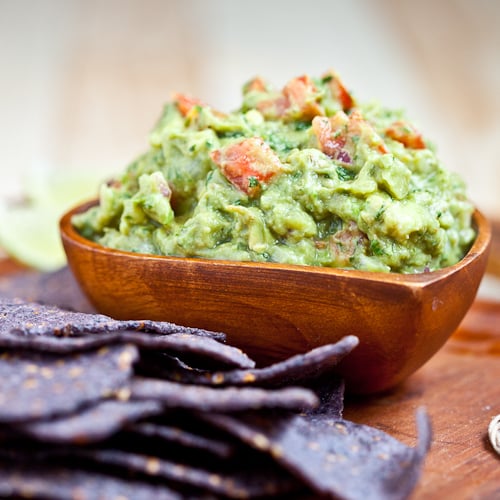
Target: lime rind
29,231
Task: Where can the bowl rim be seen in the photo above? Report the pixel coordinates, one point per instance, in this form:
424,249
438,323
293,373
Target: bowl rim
481,244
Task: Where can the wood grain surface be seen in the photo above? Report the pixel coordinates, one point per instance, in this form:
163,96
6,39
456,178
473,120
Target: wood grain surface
493,267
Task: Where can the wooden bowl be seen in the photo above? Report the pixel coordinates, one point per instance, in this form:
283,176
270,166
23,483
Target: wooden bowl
273,311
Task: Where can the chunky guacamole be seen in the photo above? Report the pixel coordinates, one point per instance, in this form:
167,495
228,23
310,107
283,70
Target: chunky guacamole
300,175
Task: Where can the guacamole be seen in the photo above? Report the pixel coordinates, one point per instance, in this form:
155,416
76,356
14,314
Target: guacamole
300,175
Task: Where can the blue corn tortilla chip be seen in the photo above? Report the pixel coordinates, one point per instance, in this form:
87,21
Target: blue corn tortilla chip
330,392
170,367
335,458
298,370
206,349
199,347
259,477
250,481
39,385
36,480
229,399
31,318
90,424
177,434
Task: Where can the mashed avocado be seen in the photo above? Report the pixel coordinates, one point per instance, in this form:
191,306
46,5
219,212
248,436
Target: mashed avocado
300,175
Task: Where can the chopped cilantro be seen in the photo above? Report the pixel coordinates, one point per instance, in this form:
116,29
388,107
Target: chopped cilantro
230,134
253,181
301,125
380,212
345,174
376,248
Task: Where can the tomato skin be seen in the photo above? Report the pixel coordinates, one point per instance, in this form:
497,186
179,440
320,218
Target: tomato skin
186,104
248,164
406,134
345,98
339,91
257,84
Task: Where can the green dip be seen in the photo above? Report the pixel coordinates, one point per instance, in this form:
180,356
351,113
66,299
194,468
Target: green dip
300,175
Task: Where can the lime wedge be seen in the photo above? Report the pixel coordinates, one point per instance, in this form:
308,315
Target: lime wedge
29,232
61,190
31,236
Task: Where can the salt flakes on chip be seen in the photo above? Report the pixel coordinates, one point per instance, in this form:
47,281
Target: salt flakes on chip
38,385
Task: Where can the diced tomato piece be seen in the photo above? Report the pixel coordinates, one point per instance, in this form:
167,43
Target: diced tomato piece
331,144
406,134
339,91
273,109
297,101
358,126
247,164
344,97
339,135
301,95
186,103
256,84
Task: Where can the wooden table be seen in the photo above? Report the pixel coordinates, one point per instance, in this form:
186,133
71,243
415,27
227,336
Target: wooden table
460,388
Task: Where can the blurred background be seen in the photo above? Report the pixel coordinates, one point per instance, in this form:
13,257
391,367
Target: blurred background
83,81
